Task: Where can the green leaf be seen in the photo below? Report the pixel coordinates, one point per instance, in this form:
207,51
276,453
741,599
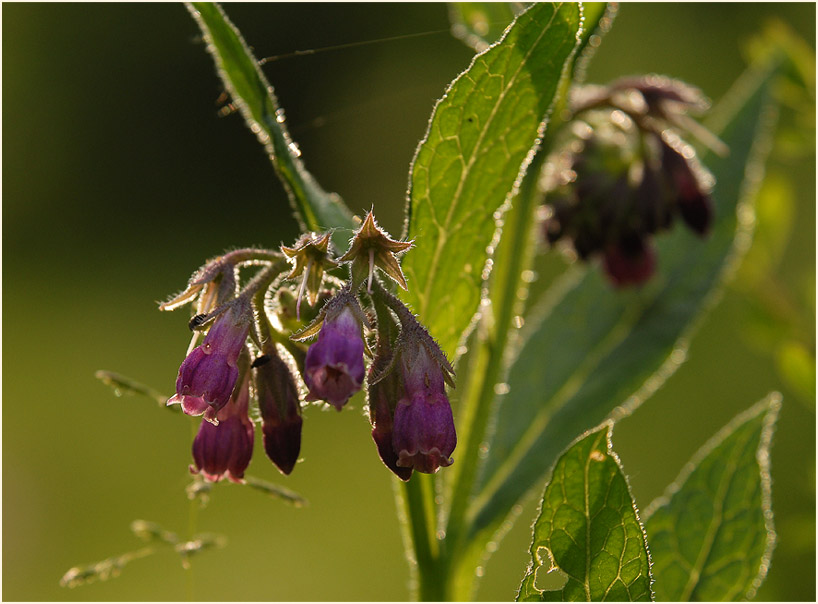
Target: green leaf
589,351
241,74
711,533
589,529
480,24
478,144
507,287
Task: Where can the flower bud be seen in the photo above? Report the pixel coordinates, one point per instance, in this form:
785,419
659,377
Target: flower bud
620,179
280,410
334,366
293,318
225,449
311,257
208,375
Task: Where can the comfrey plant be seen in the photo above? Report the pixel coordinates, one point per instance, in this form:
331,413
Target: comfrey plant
519,158
411,416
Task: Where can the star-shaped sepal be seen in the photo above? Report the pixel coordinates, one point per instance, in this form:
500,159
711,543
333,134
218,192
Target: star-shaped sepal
310,258
373,247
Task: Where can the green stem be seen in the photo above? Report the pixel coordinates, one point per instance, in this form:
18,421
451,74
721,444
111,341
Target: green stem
251,254
416,499
268,336
486,369
437,562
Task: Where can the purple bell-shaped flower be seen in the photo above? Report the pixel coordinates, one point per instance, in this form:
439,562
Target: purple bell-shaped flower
334,366
423,434
280,410
208,375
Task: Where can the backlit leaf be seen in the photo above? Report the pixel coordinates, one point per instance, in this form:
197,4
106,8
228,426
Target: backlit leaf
589,529
478,144
711,534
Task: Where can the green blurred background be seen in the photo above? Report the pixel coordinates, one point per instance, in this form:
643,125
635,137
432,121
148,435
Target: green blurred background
120,179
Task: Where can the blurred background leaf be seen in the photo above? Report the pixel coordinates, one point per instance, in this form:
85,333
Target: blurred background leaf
480,24
120,178
778,309
316,210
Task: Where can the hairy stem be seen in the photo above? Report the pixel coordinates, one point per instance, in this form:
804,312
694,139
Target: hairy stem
416,501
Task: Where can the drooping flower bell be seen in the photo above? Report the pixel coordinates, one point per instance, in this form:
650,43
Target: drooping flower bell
224,450
280,410
334,365
383,399
630,262
423,434
412,423
685,183
208,375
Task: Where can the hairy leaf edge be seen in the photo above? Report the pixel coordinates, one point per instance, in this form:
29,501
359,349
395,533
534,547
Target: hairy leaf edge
531,571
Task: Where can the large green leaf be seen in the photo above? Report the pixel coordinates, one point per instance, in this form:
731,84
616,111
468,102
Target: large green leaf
711,534
589,530
479,141
242,77
590,350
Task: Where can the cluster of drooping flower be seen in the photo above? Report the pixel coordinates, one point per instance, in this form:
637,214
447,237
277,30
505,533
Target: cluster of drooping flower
253,353
623,173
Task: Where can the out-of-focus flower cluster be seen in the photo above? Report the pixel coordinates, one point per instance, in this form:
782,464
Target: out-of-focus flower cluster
623,174
250,351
